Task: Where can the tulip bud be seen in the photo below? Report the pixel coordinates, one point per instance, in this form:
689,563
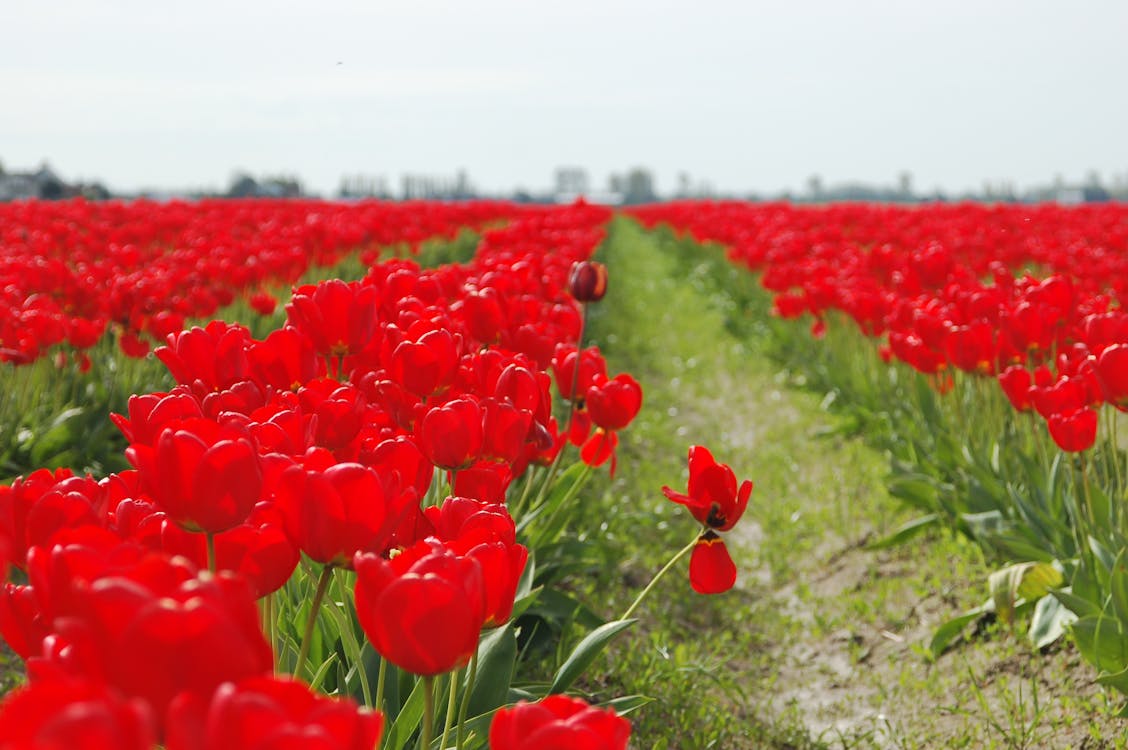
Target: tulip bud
588,281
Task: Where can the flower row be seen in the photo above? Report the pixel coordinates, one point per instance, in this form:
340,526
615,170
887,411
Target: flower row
321,441
1031,295
70,270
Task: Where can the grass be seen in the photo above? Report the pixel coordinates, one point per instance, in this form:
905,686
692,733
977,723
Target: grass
823,643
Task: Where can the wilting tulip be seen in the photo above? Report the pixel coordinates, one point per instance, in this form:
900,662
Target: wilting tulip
558,722
717,503
711,569
713,499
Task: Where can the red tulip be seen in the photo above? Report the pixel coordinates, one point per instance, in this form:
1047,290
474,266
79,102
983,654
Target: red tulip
713,499
153,635
711,569
212,358
1112,374
615,402
74,715
271,713
1075,430
593,369
451,435
588,281
336,512
205,476
424,609
338,317
1016,381
558,722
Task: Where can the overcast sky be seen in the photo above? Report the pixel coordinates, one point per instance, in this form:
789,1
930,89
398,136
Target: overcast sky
745,95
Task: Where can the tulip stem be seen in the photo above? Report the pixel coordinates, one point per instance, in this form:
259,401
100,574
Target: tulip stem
452,703
381,678
268,625
211,551
315,606
564,501
428,713
657,576
464,708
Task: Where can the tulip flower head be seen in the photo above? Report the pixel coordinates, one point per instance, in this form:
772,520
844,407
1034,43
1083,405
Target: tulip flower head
716,501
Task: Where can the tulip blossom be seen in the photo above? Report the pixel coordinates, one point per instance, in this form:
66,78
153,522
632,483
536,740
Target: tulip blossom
424,609
207,477
614,403
335,512
271,713
451,435
588,281
74,714
714,499
558,722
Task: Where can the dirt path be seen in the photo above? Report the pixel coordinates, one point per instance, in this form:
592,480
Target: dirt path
845,628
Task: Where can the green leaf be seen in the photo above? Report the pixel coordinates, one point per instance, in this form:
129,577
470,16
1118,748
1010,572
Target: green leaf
1049,622
1115,680
906,532
585,653
917,490
59,437
408,720
1077,605
497,655
1101,641
1021,581
984,526
951,630
1038,579
1118,585
627,703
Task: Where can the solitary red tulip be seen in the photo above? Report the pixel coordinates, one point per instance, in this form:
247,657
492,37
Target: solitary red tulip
713,499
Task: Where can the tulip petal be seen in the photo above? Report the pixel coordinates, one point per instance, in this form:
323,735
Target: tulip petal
711,569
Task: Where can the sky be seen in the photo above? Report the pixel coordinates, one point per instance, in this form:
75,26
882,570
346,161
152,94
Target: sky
746,96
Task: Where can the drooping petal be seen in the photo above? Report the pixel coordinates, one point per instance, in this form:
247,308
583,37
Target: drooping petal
711,569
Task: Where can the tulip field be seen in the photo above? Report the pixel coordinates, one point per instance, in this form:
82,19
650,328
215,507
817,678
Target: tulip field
280,474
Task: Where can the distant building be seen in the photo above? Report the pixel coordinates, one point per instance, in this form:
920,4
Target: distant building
42,184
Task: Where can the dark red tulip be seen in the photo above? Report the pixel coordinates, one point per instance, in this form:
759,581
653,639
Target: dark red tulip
587,281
